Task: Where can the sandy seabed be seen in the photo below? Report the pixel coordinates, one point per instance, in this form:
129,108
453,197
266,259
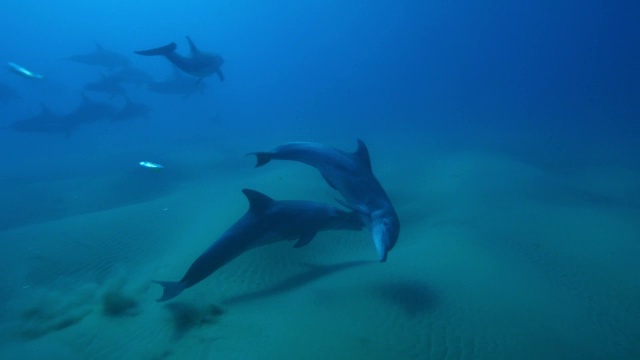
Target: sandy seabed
498,259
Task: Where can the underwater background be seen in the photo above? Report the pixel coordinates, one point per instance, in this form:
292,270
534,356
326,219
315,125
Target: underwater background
505,133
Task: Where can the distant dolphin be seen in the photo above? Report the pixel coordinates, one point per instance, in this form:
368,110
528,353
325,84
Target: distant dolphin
101,57
265,222
90,111
132,110
199,63
106,85
132,75
45,122
178,84
351,175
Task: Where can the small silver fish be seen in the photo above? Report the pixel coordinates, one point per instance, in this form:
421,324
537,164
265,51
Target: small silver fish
150,165
21,71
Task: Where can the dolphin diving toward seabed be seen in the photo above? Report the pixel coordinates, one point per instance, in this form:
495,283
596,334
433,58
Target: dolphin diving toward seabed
199,63
351,175
266,222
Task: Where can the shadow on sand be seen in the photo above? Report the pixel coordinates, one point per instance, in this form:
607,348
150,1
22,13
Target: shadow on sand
313,273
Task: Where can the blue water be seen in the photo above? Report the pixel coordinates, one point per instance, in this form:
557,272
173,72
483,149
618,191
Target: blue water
505,133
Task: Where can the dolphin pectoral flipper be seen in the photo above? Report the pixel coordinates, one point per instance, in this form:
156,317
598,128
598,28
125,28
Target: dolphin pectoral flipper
163,50
171,289
305,238
329,182
358,209
220,75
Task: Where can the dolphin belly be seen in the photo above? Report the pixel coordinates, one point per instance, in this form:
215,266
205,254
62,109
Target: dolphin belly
159,51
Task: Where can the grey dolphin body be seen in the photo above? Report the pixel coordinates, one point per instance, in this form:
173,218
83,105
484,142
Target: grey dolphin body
265,222
89,111
106,85
45,122
351,175
199,63
132,110
101,57
177,84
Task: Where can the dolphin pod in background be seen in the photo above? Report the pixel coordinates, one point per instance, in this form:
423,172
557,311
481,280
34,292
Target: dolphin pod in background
266,222
45,122
131,75
101,57
90,111
178,84
106,85
132,110
199,63
351,175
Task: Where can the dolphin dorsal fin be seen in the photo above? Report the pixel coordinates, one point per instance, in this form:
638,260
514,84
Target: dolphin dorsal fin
192,46
258,201
362,154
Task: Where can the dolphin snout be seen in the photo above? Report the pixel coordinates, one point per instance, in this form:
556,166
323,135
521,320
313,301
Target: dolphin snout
380,239
385,231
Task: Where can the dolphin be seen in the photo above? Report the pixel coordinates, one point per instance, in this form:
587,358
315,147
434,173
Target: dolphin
131,75
106,85
265,222
351,175
101,57
178,84
132,110
199,63
90,111
45,122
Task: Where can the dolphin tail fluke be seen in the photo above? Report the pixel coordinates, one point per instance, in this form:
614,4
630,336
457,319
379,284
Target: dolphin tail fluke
163,50
171,289
262,158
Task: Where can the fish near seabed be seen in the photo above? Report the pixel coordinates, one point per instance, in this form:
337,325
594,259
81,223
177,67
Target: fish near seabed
199,63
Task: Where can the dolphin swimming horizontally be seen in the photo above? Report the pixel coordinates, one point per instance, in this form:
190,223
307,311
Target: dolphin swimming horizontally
131,75
132,110
90,111
106,85
199,63
265,222
351,175
178,84
101,57
45,122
